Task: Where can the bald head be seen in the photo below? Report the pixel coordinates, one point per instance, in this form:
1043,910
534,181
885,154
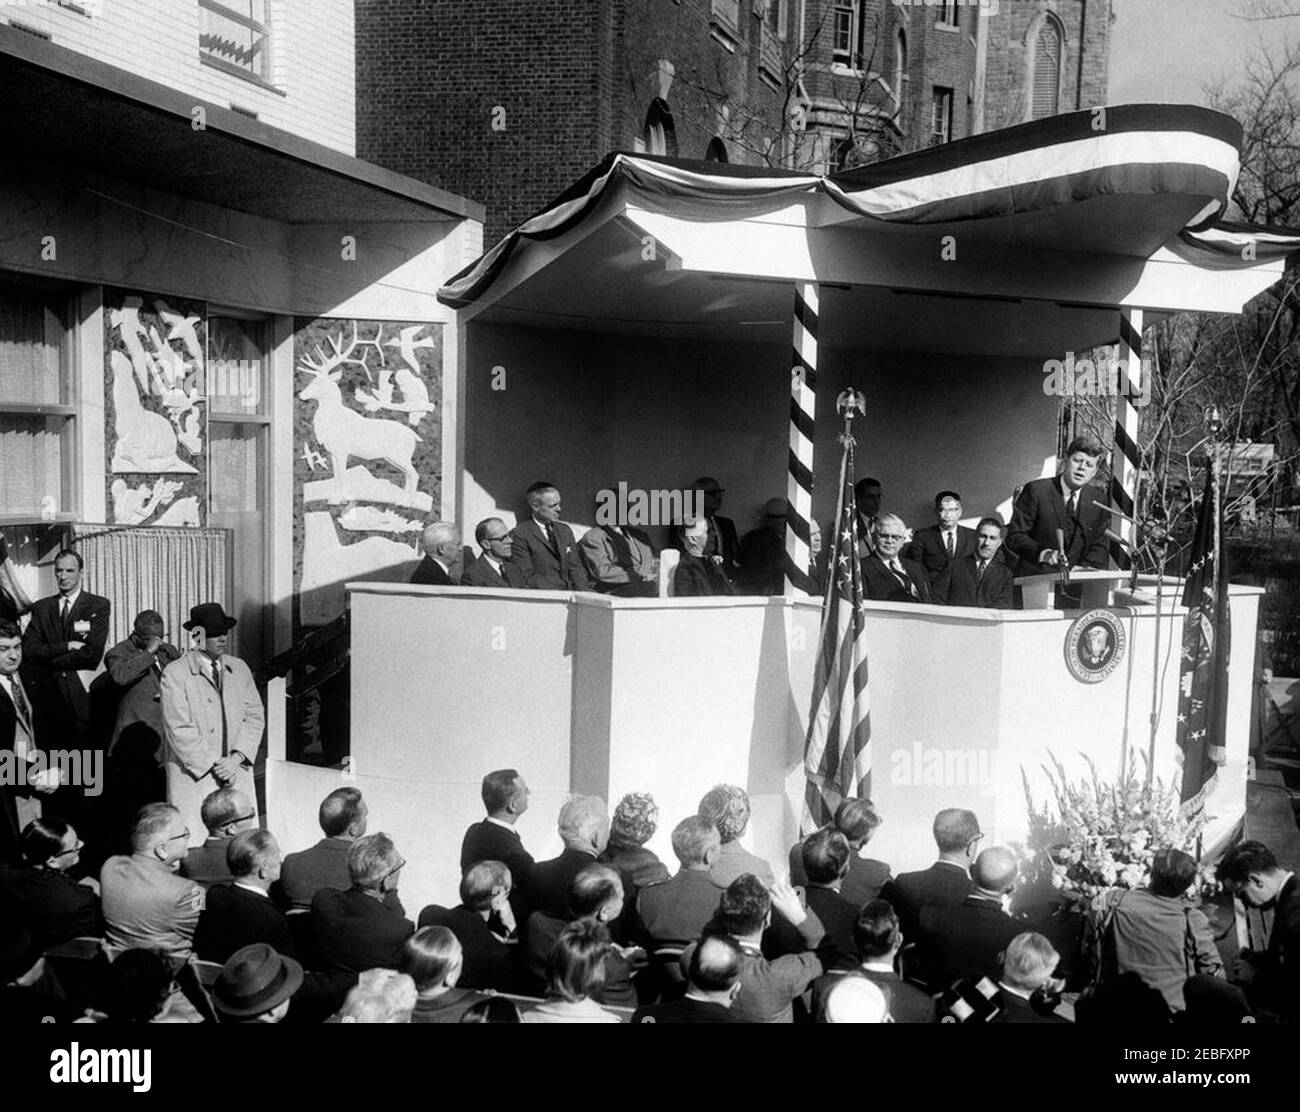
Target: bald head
995,870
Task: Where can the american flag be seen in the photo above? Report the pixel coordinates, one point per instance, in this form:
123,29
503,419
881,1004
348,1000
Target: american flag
1203,675
837,752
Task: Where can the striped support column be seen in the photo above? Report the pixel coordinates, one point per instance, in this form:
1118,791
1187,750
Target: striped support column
1125,461
803,406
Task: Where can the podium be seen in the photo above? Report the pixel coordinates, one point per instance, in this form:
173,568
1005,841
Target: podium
1098,588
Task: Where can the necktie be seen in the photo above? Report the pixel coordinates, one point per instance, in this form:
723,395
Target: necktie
1072,506
952,548
981,565
20,704
216,675
64,609
902,576
550,536
622,550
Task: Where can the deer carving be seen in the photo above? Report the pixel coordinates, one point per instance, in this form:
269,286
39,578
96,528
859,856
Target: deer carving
344,433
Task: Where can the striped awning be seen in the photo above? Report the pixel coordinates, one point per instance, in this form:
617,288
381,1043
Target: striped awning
1186,154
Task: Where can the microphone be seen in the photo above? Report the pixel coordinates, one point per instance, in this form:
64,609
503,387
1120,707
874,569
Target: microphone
1064,565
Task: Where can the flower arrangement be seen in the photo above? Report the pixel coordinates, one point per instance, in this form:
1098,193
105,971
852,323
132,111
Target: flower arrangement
1098,836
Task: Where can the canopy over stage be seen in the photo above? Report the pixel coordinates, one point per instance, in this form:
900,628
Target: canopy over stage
643,328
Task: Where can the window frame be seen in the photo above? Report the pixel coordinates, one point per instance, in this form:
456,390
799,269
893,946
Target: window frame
940,95
261,79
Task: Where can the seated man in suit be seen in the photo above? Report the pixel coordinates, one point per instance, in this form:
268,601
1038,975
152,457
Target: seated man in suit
762,552
878,941
720,532
712,984
698,574
619,558
493,568
495,838
595,893
358,929
727,807
342,816
146,905
968,940
674,912
936,546
946,882
981,579
442,556
857,820
584,830
1027,968
239,913
543,547
225,813
1067,503
488,952
825,855
887,576
49,904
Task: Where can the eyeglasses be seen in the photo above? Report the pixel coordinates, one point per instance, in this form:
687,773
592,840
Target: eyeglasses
498,540
183,834
72,849
890,537
396,868
242,818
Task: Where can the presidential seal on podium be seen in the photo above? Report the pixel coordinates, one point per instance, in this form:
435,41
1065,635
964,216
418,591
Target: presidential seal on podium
1094,645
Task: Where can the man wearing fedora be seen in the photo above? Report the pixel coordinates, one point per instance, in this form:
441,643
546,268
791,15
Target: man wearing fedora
213,718
255,985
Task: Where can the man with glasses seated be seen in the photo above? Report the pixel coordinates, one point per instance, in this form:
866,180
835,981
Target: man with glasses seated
360,929
886,575
225,812
145,902
946,883
50,905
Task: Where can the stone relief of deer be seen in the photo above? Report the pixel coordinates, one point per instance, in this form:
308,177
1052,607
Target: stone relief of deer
342,432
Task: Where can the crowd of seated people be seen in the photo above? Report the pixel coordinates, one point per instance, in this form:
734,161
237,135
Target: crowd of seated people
604,933
944,563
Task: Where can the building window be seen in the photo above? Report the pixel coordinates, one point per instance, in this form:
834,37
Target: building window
727,12
235,36
1045,87
848,27
947,13
659,133
717,151
37,410
900,67
940,116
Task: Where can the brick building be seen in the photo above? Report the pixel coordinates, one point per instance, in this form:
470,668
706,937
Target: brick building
510,101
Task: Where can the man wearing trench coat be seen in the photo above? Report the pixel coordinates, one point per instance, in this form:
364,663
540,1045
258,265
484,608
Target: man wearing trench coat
213,718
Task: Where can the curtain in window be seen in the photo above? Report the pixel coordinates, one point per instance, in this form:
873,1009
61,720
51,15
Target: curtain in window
168,570
31,464
1047,71
31,340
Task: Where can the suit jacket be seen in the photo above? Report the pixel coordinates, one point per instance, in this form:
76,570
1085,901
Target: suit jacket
906,1003
546,568
49,723
546,887
601,557
481,574
1281,987
488,962
762,563
233,918
197,733
864,882
50,905
45,644
147,905
723,541
430,574
927,548
138,675
324,865
964,941
486,841
1040,511
942,884
698,576
685,1010
1016,1009
446,1008
960,584
837,949
543,930
207,863
881,585
356,932
675,912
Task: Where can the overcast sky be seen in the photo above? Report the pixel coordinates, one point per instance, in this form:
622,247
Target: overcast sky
1166,50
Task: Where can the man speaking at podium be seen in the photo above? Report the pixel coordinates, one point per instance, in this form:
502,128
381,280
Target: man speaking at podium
1066,504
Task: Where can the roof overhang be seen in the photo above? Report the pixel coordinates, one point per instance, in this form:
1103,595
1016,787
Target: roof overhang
64,108
1013,239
